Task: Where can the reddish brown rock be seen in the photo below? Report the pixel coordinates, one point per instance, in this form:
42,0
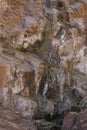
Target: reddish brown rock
22,22
20,74
83,120
56,86
10,120
75,121
71,121
78,14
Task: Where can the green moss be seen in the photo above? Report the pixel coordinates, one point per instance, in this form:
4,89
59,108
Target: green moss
70,66
46,125
35,47
3,41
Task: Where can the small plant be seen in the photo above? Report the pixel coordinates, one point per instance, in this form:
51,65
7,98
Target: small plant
46,125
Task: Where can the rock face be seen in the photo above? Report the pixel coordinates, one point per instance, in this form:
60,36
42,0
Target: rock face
10,120
71,121
75,121
20,74
22,22
43,64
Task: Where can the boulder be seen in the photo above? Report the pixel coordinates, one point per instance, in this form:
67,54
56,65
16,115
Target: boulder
22,23
75,121
71,121
20,76
12,120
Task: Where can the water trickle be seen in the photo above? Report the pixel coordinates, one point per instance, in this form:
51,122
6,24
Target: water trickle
45,89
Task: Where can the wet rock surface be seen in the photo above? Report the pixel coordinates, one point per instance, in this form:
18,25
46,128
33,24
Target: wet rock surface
43,64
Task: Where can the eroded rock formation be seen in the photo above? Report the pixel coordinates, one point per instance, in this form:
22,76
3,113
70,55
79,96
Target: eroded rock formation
43,64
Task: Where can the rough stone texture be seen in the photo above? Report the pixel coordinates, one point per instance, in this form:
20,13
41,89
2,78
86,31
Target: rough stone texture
10,120
83,120
22,22
75,121
20,74
70,122
43,62
78,15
